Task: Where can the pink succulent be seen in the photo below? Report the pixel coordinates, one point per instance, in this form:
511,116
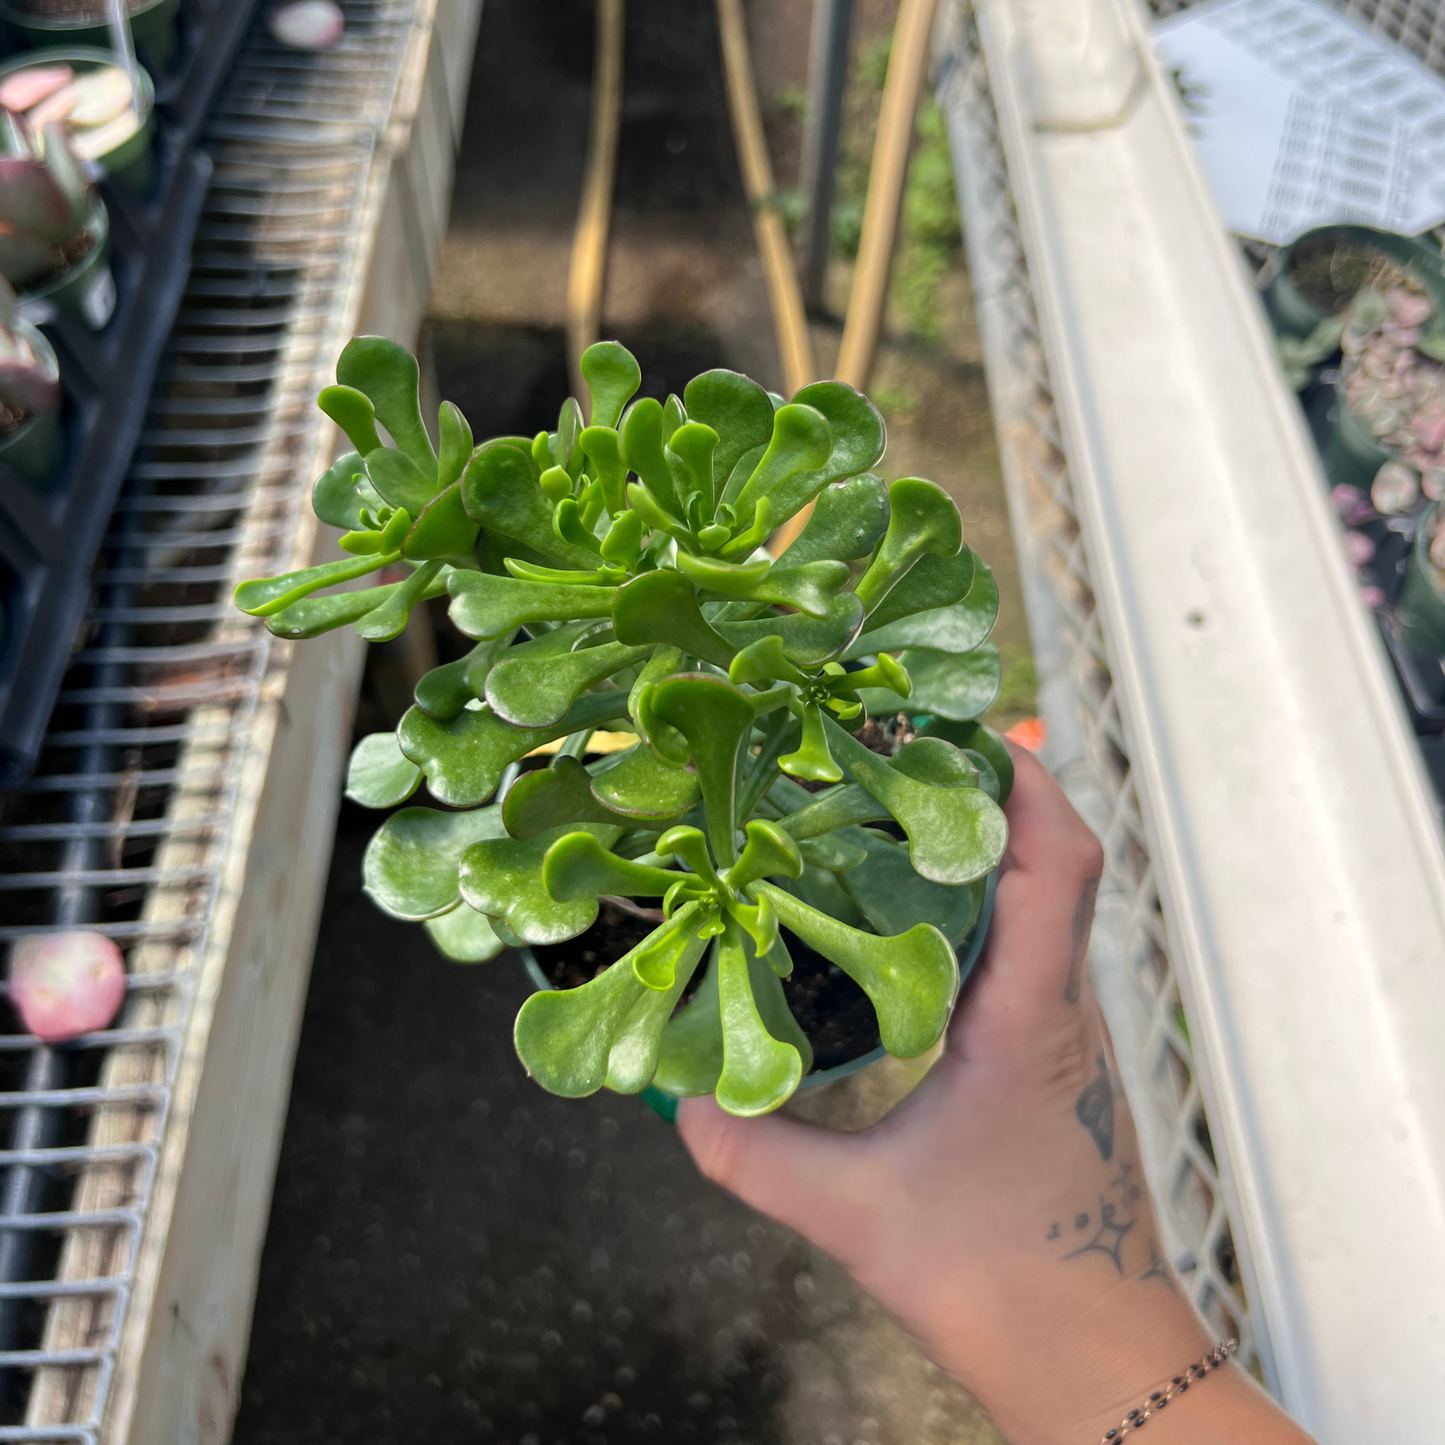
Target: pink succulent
1350,504
1359,549
1428,427
1408,309
1372,596
66,984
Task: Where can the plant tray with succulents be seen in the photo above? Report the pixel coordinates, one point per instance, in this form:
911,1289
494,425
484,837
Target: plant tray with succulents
613,574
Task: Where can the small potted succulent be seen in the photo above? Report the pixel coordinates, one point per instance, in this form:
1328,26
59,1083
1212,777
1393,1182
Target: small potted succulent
613,574
54,230
1420,607
31,441
86,22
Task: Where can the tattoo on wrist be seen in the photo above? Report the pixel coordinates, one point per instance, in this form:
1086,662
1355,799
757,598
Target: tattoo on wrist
1079,941
1108,1230
1095,1109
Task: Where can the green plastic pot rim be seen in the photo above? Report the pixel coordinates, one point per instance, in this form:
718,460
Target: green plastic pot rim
819,1077
62,23
44,349
94,57
44,292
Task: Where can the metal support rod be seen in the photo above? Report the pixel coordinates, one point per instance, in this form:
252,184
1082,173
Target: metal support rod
827,84
589,246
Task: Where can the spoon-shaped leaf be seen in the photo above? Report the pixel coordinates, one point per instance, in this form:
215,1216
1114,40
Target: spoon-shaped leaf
550,797
807,641
837,808
388,619
760,922
564,1036
812,761
265,596
642,451
979,739
603,448
801,444
336,495
411,867
959,628
353,412
486,606
849,518
389,375
690,1059
834,851
636,785
738,410
930,583
464,757
312,616
632,1062
716,719
893,897
661,607
935,760
501,490
943,684
664,662
443,530
578,866
811,588
954,834
464,935
655,960
727,579
689,455
769,851
765,661
503,877
446,690
379,775
911,978
859,438
455,452
399,480
562,445
759,1072
612,376
922,519
530,693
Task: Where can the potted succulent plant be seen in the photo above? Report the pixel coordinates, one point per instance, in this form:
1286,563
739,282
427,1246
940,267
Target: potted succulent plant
614,574
85,22
31,441
54,230
1420,607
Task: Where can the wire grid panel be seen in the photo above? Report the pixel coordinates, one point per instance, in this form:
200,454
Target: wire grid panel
128,826
1089,746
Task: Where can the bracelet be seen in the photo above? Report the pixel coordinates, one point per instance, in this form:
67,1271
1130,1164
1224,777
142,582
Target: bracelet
1159,1398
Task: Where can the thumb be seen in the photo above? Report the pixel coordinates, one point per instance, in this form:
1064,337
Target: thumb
814,1181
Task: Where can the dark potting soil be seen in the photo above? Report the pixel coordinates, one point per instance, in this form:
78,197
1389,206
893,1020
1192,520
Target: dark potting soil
12,418
832,1010
1327,274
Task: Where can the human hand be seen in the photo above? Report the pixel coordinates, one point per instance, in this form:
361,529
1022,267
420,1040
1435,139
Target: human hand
1000,1213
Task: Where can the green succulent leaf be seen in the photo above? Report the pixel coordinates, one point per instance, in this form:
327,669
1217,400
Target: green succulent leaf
690,1059
911,978
801,444
937,762
265,596
834,851
664,662
504,877
464,935
717,720
642,451
337,494
464,757
765,661
922,519
689,456
353,412
946,685
612,376
398,479
661,607
812,588
738,410
603,448
849,519
837,808
577,866
759,1072
388,619
446,690
931,583
443,531
312,616
979,739
632,1060
957,629
769,851
807,641
456,444
411,866
637,785
893,897
955,834
379,775
563,793
859,438
812,761
486,606
728,579
501,491
389,375
531,693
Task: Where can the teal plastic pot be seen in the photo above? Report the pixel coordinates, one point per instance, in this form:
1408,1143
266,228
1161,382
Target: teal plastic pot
36,450
86,289
853,1075
132,163
153,26
1420,607
1293,315
1352,453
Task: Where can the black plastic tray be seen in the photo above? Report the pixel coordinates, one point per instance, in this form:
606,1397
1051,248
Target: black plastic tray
49,540
210,35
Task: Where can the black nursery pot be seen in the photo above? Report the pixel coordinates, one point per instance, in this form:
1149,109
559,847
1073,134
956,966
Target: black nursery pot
854,1093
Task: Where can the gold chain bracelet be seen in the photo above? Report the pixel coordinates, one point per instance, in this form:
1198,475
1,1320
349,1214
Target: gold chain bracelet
1159,1398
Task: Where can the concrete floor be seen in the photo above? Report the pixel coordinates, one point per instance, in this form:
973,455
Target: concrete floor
454,1255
